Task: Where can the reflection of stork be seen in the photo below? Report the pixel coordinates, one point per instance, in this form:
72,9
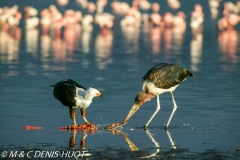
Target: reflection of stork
133,147
171,141
155,143
161,78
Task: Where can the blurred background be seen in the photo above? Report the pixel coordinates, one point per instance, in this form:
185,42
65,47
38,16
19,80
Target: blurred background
57,30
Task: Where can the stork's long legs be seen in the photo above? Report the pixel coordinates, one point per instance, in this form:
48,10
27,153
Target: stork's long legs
174,109
157,109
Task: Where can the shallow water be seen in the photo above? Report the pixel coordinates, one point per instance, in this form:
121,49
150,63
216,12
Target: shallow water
206,123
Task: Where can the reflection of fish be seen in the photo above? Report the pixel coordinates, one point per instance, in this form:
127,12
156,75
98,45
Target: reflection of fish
32,127
161,78
74,95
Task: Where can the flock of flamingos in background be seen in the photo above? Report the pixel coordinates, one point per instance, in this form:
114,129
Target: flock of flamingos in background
52,21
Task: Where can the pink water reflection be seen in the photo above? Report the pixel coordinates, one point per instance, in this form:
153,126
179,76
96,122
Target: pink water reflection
60,35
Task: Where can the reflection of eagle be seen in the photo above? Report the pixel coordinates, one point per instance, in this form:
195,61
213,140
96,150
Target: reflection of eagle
74,95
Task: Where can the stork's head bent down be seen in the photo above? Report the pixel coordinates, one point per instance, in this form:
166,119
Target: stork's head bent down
141,98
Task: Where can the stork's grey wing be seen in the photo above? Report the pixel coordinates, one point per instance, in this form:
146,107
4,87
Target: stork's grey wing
166,75
155,72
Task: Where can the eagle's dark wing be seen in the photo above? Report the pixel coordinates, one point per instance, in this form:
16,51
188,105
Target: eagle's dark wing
72,82
65,91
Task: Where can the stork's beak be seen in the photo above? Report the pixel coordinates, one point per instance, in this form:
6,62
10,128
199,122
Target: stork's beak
134,108
99,94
